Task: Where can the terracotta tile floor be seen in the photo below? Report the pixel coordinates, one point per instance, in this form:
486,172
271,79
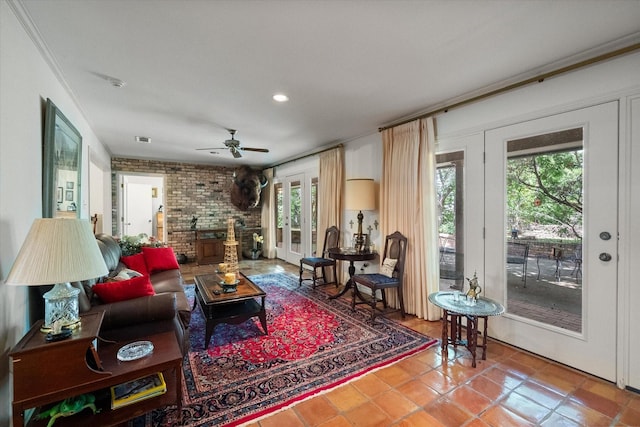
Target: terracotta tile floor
511,388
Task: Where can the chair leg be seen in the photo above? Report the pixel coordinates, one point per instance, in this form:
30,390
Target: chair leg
324,276
301,269
315,277
373,302
400,297
335,275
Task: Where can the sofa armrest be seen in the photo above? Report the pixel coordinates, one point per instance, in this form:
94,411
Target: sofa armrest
138,310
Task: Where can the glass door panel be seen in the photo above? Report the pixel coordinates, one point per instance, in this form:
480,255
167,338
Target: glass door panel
449,191
544,236
279,217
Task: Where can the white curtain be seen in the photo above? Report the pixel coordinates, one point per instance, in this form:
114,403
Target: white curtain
407,204
268,219
330,189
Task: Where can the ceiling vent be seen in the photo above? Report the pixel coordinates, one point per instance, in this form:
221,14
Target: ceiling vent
143,139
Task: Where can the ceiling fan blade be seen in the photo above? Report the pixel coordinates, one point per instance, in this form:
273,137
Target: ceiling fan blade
259,150
214,148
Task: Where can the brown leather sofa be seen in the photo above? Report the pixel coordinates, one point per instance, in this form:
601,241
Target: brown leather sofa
167,310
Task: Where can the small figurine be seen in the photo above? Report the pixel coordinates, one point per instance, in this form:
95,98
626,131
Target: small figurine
474,288
194,222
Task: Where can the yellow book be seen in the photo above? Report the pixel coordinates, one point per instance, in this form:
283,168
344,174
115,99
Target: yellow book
136,390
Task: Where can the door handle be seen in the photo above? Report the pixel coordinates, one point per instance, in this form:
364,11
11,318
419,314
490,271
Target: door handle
604,257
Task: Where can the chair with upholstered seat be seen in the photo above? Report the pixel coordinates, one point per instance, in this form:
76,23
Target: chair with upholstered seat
390,276
331,240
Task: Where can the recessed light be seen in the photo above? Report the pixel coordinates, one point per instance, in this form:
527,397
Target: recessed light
280,97
143,139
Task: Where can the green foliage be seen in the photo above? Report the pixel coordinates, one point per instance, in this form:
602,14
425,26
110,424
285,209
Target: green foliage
546,189
446,190
131,245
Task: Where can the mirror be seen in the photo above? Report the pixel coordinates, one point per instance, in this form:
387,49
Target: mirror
60,166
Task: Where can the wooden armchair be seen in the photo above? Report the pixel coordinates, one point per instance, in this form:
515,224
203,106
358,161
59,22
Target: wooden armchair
331,240
390,276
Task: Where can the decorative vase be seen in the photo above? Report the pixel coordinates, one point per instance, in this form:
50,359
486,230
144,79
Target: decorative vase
255,253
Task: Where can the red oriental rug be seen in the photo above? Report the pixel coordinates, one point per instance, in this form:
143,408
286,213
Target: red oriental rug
314,344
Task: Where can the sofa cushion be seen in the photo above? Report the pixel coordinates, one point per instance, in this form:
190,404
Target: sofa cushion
160,259
123,290
136,262
167,281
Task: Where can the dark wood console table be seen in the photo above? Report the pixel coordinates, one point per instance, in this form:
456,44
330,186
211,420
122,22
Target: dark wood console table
45,373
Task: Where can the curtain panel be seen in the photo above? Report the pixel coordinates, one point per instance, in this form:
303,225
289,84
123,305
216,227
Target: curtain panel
407,204
330,197
268,216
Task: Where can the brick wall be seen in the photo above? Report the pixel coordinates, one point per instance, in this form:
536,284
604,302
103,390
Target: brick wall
190,190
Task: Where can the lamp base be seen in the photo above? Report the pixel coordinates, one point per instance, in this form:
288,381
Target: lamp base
61,308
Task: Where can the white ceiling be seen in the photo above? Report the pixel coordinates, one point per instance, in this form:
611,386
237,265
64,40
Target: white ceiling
196,68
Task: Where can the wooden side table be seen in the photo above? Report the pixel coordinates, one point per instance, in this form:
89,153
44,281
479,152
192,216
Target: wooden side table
453,313
351,255
45,373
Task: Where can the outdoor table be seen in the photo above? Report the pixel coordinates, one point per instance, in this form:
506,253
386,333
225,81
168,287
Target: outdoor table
454,311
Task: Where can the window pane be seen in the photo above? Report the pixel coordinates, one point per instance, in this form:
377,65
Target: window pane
449,185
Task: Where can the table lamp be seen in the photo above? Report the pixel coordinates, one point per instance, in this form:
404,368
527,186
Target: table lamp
360,196
58,251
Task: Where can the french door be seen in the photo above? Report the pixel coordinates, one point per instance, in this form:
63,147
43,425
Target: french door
551,236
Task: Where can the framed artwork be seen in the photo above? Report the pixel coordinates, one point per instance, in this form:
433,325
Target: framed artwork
62,158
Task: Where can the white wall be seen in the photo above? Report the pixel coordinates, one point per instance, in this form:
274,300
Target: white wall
26,81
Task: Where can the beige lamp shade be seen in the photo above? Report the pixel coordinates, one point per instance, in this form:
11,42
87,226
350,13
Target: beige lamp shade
57,250
360,194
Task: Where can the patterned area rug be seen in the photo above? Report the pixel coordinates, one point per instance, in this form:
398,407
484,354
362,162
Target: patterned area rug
314,344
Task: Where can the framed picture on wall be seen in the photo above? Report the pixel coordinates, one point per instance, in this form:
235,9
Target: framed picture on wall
59,195
68,196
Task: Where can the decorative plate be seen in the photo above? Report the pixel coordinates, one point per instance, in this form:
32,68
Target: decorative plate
135,350
232,284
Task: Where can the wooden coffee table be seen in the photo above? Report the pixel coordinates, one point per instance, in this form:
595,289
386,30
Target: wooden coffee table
232,307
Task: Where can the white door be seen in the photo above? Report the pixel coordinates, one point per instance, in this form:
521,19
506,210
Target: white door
589,343
138,211
294,235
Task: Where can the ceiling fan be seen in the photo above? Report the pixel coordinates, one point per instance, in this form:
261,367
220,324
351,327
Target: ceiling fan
234,146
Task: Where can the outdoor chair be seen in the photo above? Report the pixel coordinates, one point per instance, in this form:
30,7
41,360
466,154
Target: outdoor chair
518,253
331,240
390,276
577,262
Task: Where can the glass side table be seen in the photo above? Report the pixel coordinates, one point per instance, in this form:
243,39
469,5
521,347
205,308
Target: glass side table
454,310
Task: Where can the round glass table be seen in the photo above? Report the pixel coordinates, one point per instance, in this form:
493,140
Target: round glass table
455,307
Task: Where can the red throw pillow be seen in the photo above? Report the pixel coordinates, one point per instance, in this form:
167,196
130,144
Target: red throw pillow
159,259
124,289
136,262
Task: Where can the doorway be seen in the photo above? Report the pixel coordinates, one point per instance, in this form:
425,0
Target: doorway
141,207
296,217
550,188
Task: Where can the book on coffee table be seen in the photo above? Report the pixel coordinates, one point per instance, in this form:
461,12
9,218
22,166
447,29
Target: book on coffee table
137,390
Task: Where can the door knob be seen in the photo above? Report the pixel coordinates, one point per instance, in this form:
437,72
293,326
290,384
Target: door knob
605,235
604,256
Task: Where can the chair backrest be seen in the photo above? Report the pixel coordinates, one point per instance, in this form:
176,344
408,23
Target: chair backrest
395,247
331,240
